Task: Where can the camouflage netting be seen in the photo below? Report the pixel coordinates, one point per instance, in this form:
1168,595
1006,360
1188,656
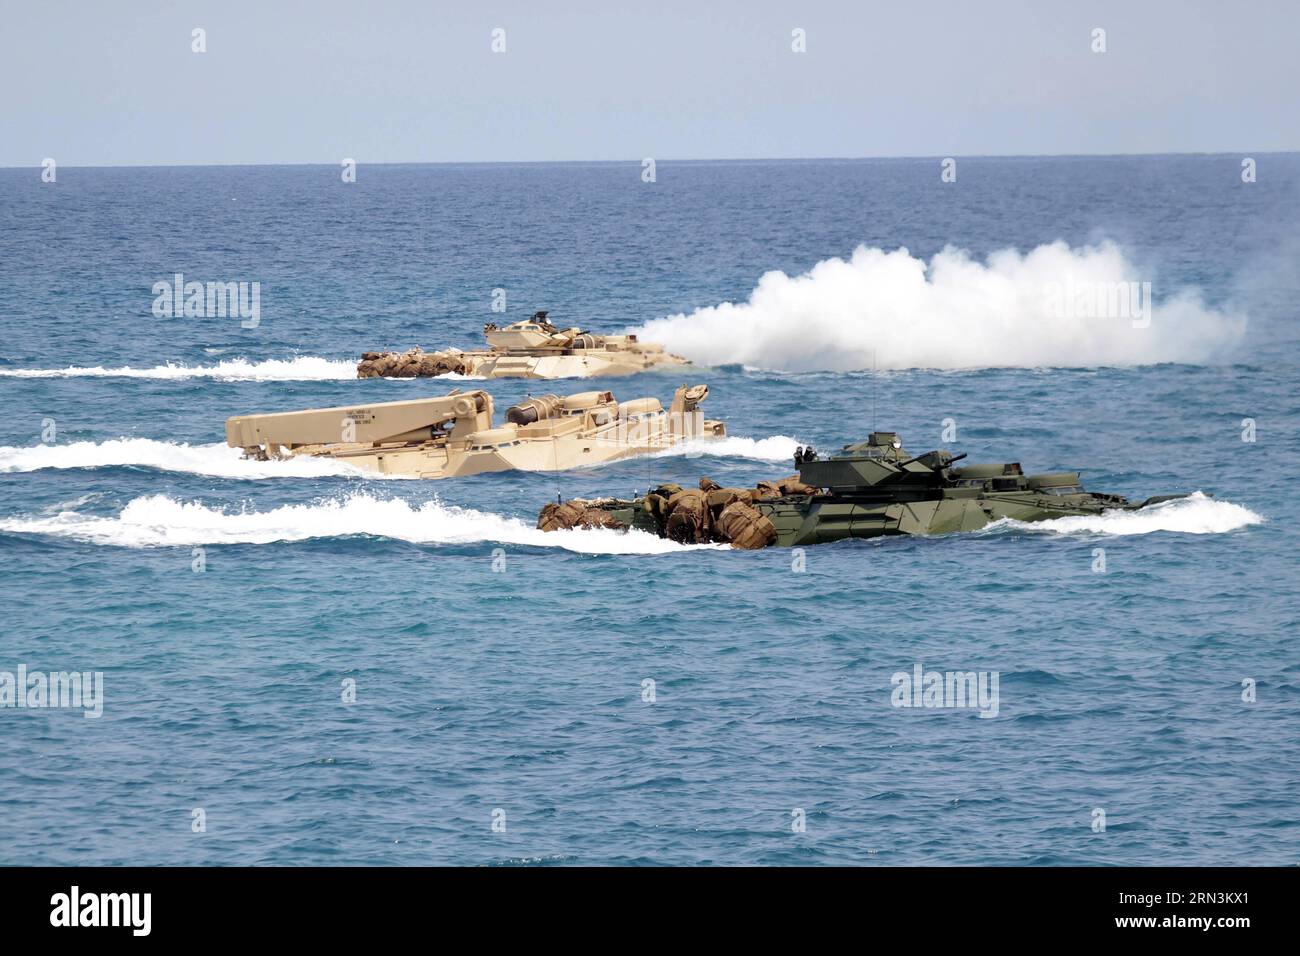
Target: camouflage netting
701,515
576,514
415,363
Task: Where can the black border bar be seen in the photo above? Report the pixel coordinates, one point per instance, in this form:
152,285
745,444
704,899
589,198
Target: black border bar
333,905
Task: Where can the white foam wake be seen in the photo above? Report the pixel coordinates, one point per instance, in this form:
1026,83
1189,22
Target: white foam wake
158,521
1196,514
217,460
1013,310
305,368
777,448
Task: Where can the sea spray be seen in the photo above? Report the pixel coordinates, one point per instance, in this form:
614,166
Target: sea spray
778,448
162,521
1195,514
216,460
154,521
304,368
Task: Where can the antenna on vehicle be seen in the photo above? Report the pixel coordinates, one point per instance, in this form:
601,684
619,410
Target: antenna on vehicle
555,447
873,389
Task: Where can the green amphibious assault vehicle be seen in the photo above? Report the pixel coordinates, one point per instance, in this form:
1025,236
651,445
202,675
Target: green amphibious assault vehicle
869,489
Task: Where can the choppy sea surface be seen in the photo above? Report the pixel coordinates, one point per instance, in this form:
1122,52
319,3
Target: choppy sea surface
502,713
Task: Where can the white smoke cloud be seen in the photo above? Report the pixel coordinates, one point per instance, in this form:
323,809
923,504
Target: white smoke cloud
1031,310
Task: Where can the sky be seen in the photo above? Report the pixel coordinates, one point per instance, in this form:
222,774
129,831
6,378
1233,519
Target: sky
99,83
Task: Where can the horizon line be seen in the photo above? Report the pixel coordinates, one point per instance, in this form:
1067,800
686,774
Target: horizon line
665,159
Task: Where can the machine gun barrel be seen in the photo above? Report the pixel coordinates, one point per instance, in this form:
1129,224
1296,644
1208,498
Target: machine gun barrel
888,479
904,464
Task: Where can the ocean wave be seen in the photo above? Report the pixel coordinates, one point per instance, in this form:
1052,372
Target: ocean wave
778,448
158,521
1196,514
892,310
305,368
216,460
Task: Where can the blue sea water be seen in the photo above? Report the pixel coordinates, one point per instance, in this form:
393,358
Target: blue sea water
499,675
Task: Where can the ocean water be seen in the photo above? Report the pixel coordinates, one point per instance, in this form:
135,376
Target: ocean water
500,673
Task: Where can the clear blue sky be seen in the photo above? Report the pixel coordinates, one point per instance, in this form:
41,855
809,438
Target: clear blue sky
115,83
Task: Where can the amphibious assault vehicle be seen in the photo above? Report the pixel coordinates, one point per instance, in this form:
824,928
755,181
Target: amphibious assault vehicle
532,348
869,489
455,435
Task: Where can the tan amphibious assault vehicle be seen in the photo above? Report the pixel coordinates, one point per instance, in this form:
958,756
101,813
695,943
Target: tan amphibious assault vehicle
532,348
454,434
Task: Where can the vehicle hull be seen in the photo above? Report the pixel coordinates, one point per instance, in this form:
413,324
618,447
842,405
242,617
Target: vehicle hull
821,519
581,364
532,348
444,460
455,435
